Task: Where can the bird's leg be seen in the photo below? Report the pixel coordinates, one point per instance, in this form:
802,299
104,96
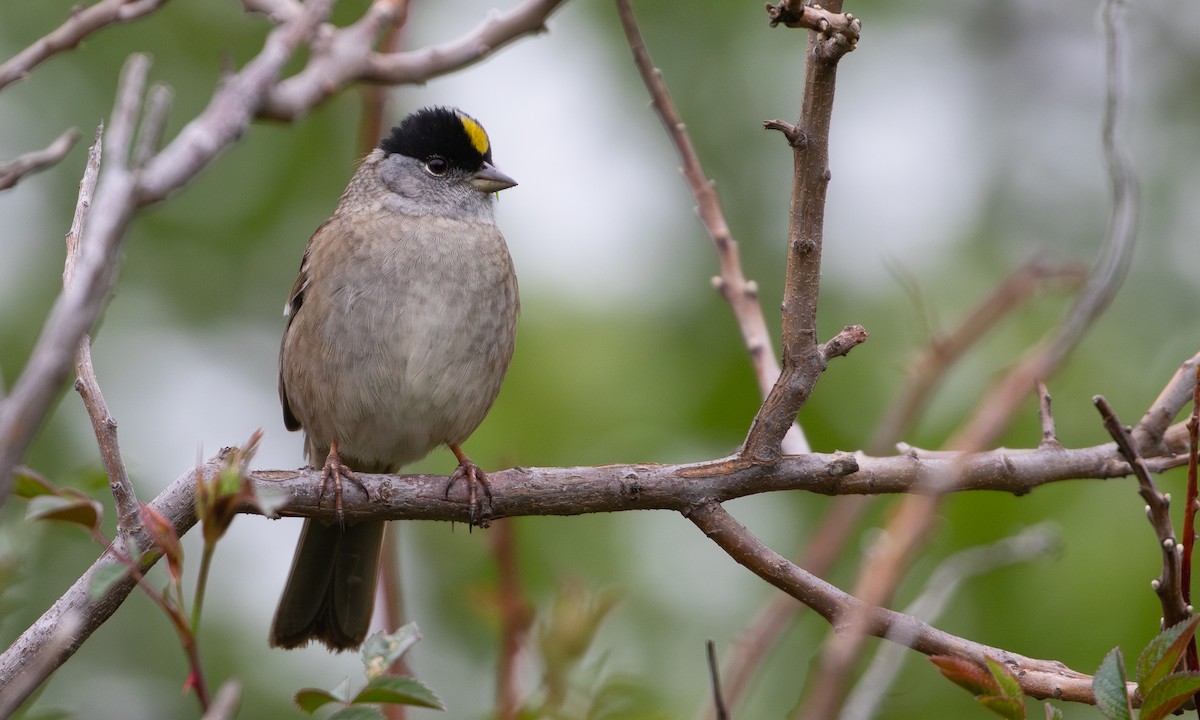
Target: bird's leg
334,472
473,476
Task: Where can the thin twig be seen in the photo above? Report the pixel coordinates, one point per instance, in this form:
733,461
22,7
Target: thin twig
225,704
103,424
714,680
741,294
1046,414
13,170
78,26
1168,586
1189,515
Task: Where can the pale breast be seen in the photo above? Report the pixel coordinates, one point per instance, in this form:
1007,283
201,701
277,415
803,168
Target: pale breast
402,343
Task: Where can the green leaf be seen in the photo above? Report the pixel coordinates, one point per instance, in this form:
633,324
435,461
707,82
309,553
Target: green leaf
78,509
1010,687
105,577
966,674
398,691
311,699
1172,692
1161,655
357,712
382,649
1109,687
1053,713
29,484
1005,707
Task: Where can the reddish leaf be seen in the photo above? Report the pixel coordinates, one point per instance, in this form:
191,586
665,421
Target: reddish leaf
165,538
966,674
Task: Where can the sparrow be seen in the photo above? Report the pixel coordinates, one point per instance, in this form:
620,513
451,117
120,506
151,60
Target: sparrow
400,328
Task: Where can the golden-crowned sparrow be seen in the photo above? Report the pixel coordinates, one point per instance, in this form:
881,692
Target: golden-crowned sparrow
400,329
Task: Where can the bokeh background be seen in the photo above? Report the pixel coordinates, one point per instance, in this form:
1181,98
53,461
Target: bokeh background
966,140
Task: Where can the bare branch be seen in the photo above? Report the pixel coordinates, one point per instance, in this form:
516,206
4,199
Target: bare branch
828,23
646,486
803,362
79,25
12,171
104,426
1049,435
348,56
1039,678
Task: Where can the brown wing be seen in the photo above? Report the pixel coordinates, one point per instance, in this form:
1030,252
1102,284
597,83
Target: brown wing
294,303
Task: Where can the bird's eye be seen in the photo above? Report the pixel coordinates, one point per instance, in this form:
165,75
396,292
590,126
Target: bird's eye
436,165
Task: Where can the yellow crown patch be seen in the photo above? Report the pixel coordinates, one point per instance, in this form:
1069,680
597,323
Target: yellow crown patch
475,132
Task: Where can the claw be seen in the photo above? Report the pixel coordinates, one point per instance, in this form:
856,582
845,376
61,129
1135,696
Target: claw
334,472
475,478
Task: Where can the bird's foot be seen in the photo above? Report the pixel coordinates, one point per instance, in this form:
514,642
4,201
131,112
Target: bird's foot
475,478
332,475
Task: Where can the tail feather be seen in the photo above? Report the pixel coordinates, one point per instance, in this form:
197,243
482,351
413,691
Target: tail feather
330,592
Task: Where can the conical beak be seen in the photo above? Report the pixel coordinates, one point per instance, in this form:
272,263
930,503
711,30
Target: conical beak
489,180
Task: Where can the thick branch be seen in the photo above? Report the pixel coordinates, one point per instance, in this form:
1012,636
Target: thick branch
803,362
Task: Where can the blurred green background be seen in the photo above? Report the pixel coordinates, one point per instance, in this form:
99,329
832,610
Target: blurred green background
966,140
